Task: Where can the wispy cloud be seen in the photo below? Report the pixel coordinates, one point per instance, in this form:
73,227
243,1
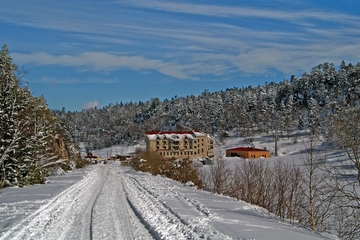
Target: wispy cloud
55,81
88,105
233,11
98,61
133,38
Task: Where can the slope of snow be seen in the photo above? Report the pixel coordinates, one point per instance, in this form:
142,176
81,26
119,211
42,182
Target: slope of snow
110,201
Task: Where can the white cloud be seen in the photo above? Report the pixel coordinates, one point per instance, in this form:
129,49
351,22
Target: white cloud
234,11
88,105
54,80
130,37
98,61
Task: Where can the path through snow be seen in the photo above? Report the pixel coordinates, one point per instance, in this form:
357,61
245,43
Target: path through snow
115,202
94,208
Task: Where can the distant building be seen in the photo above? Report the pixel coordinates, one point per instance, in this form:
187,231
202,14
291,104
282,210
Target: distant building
180,144
247,152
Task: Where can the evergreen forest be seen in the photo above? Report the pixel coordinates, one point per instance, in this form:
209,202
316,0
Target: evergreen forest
312,101
33,143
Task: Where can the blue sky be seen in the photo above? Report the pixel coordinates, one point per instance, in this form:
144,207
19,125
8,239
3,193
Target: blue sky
83,54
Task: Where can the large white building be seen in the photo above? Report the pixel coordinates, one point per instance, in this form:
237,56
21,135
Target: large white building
180,144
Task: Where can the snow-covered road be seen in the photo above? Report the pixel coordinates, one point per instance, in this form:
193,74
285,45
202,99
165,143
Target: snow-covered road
94,208
115,202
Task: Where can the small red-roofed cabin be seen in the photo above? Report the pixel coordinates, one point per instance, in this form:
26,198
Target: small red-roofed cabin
247,152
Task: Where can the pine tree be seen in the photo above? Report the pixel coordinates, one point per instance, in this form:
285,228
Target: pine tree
314,118
28,132
10,132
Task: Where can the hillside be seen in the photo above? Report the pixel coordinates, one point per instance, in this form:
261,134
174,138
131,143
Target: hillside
311,101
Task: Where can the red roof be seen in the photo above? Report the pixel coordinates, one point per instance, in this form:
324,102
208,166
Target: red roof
170,132
246,149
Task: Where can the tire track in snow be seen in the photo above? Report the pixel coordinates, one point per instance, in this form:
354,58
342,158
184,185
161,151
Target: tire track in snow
41,223
158,219
114,214
78,212
171,191
144,195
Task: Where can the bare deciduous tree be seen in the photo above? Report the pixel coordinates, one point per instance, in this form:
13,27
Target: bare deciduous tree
220,174
317,208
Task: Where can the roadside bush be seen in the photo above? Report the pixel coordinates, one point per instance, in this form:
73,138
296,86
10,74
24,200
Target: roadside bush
180,170
80,163
146,161
33,176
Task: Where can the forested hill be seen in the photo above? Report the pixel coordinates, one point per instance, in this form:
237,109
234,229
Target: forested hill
313,101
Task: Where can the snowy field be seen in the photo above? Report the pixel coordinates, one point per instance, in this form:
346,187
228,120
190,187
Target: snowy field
110,201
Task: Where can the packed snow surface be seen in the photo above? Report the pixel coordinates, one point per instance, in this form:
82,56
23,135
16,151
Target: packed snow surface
110,201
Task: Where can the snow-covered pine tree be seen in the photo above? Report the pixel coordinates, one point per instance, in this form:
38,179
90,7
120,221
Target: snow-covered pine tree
10,132
314,118
30,136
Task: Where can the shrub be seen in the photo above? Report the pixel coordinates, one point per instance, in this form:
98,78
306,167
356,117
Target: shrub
33,176
177,169
80,163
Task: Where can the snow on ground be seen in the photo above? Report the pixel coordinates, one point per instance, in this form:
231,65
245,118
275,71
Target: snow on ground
110,201
123,150
291,149
114,202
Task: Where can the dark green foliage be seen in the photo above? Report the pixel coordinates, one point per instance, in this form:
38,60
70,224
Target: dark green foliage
32,176
29,133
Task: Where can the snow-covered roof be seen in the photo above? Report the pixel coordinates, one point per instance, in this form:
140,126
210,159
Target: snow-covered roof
175,135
